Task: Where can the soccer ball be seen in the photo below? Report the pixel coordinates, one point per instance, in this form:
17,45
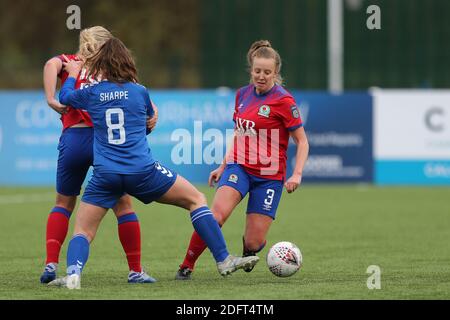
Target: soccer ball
284,259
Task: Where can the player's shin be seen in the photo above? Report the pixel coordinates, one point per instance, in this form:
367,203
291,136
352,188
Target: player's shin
130,238
196,248
56,232
77,254
209,230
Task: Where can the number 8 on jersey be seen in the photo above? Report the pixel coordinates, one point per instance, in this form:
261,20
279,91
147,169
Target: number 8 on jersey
115,126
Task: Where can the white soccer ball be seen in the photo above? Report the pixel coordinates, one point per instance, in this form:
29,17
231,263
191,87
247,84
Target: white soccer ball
284,259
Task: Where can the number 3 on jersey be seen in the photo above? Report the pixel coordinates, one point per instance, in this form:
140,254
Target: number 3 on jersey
115,126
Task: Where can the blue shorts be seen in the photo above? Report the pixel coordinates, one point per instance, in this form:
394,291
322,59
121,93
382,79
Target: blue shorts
105,189
264,195
74,159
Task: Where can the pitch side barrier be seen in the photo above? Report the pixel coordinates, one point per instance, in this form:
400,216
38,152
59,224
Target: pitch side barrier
412,137
352,136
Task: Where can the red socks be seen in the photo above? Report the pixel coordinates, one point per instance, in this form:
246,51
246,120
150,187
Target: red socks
196,248
57,227
130,237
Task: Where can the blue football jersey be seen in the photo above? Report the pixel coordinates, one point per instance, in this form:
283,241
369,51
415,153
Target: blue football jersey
119,113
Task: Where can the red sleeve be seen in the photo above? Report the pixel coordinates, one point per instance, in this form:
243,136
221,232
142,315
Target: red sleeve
63,74
290,115
69,56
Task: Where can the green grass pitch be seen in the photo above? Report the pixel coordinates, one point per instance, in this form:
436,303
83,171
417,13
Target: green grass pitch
340,229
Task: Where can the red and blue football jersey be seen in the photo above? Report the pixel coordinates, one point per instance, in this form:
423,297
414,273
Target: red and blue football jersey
75,116
262,125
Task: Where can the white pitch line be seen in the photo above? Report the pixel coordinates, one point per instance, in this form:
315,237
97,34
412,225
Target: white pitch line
26,198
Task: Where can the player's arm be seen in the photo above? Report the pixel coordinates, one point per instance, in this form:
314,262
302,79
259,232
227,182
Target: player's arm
51,70
215,175
301,141
152,116
292,121
69,95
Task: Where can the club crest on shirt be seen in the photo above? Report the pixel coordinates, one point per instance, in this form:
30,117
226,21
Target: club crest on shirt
264,110
295,112
233,178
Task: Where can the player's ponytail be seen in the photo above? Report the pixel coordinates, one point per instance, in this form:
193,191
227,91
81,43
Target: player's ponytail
263,49
113,62
91,39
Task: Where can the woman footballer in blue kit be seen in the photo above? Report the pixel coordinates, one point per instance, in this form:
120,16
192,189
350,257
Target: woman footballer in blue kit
75,156
123,162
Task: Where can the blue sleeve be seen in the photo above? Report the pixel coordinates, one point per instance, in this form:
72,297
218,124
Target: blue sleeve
75,98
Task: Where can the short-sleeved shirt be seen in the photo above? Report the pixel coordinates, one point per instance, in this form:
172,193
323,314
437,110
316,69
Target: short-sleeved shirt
262,125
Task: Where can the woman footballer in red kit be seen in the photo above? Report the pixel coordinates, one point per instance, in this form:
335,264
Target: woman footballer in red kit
74,159
265,116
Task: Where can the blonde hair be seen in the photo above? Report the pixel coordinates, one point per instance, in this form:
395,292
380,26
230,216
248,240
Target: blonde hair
91,39
263,49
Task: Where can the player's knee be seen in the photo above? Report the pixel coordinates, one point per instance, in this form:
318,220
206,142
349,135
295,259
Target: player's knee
198,199
124,206
66,202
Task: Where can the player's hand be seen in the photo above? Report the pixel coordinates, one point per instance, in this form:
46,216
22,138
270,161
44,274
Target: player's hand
72,67
292,183
58,107
215,175
151,122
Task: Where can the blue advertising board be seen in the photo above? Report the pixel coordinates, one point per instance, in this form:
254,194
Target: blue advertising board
29,135
339,130
193,130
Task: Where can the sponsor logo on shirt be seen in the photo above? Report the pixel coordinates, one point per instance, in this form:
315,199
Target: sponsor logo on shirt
264,111
245,127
